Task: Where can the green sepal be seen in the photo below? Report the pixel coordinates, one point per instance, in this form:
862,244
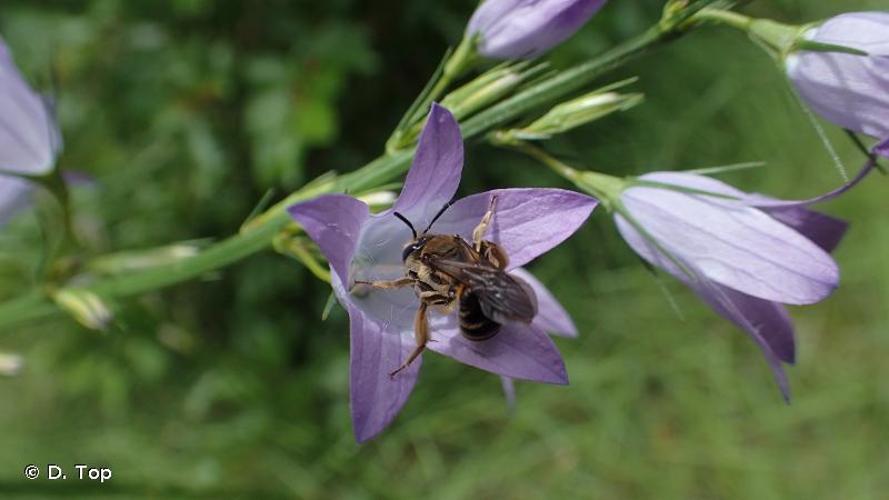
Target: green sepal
813,46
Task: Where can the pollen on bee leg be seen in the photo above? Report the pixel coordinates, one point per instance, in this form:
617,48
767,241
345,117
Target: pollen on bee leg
479,232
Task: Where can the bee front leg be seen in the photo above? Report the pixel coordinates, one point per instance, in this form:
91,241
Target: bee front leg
387,284
479,232
421,334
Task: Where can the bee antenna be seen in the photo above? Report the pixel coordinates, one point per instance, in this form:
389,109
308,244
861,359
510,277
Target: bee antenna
438,215
404,219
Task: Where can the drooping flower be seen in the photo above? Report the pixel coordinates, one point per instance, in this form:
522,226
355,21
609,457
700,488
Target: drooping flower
745,255
361,246
29,136
849,90
514,29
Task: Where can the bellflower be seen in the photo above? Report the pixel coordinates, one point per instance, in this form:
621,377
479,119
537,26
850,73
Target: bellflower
744,254
849,90
512,29
29,137
362,246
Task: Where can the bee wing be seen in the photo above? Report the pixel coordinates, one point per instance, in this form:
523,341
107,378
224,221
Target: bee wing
503,298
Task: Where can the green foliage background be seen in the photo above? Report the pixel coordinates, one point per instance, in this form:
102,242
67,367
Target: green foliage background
187,111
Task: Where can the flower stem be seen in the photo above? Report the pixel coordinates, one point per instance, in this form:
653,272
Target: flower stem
260,233
606,188
726,17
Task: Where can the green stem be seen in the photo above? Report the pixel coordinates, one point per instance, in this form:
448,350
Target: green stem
260,232
606,188
563,84
726,17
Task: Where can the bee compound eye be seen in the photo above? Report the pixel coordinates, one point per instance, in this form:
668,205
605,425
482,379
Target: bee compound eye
408,250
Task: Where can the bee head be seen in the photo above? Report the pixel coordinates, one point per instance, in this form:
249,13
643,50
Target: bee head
417,244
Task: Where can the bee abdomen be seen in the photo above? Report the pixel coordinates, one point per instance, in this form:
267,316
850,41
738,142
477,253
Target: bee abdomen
474,325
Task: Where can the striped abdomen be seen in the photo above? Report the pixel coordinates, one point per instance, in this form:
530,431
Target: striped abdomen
474,325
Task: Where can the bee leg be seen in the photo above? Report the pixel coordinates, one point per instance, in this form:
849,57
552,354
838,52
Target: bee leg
387,285
421,334
479,232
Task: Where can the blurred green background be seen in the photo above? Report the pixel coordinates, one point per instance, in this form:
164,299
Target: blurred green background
187,111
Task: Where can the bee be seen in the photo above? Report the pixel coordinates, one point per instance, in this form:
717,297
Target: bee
448,273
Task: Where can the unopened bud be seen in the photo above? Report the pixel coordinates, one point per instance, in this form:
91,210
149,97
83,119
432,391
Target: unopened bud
833,75
509,29
143,259
574,113
85,307
304,251
484,90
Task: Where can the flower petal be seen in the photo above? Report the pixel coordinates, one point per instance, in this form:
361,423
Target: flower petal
517,351
766,322
734,245
29,137
376,349
13,196
551,316
511,29
755,316
847,89
435,174
823,230
882,149
334,223
526,222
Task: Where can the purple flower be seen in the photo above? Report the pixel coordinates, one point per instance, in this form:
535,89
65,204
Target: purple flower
744,254
512,29
849,90
29,137
362,246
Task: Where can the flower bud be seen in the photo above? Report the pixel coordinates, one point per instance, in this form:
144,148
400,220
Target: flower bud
574,113
849,90
484,90
124,262
513,29
84,306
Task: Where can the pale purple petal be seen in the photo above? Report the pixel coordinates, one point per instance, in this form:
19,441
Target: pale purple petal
851,91
882,149
755,316
14,195
29,136
766,322
511,29
518,351
735,245
551,316
823,230
334,223
376,350
527,222
435,174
